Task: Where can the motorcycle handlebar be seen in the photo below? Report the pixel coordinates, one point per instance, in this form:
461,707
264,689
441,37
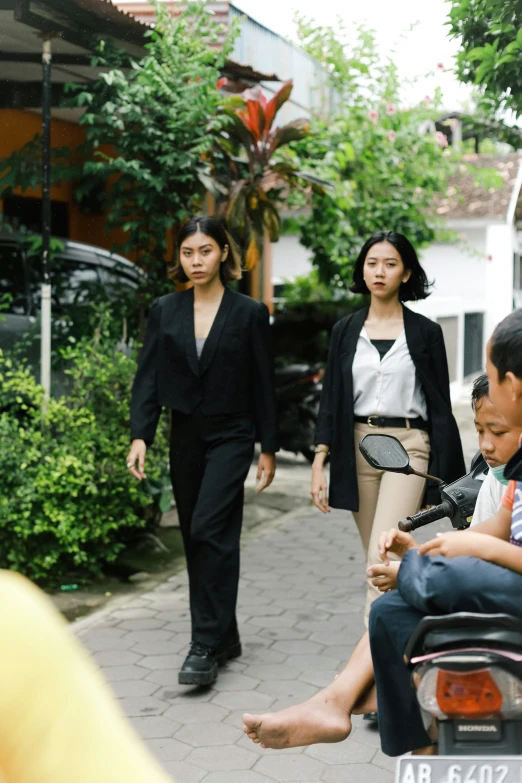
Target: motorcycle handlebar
444,509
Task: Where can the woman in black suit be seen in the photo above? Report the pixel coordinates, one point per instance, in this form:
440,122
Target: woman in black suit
207,357
387,372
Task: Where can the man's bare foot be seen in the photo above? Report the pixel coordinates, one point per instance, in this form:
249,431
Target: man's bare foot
320,719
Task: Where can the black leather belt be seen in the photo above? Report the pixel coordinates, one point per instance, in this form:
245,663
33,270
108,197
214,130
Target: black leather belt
390,421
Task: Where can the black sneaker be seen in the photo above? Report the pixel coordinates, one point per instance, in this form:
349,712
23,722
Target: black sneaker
200,666
371,717
229,651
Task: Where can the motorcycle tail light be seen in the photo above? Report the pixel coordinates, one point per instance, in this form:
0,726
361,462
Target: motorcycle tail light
468,694
473,694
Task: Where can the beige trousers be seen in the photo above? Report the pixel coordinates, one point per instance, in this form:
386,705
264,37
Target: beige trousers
386,498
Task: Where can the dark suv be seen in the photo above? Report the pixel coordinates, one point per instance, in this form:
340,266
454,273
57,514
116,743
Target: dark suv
81,275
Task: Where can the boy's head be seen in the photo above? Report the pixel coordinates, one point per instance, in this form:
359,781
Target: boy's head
497,440
504,366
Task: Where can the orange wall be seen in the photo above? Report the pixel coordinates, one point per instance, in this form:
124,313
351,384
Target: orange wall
19,127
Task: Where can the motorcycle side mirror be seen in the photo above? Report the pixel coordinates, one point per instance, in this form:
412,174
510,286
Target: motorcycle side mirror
384,452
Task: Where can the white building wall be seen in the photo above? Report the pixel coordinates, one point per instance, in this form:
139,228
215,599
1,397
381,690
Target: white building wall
500,247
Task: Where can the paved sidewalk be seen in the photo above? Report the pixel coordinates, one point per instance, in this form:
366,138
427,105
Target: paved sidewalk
300,603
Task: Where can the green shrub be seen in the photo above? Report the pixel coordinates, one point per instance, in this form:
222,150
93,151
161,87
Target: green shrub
67,502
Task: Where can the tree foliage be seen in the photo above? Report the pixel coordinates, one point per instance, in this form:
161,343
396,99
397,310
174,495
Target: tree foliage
67,503
490,32
245,169
149,127
386,162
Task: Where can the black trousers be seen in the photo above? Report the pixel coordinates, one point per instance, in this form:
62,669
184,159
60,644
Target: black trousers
427,586
209,462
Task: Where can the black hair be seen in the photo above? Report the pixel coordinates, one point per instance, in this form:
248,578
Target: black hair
415,288
480,390
214,228
506,346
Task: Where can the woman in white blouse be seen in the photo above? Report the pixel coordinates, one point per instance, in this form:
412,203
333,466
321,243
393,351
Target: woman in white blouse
387,372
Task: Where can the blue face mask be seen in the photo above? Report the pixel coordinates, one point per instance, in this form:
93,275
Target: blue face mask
499,474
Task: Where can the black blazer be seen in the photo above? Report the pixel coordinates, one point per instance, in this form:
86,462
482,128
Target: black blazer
233,376
335,426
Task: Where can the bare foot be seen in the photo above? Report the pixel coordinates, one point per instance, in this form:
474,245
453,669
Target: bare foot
320,719
429,750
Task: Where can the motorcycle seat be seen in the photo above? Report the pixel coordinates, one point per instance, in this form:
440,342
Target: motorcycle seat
463,629
292,372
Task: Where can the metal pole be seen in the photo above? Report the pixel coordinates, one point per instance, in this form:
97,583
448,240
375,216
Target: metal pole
45,355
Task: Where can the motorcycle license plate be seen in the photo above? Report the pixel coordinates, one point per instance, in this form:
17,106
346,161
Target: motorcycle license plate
459,769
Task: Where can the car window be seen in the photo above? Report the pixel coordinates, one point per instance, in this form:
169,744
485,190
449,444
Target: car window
12,278
116,282
73,284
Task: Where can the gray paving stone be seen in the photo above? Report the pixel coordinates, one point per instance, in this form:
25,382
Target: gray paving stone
290,768
128,688
284,634
185,694
115,673
132,613
117,658
209,734
385,762
102,644
226,757
347,752
173,661
196,713
314,662
272,671
167,749
249,701
232,681
150,624
319,678
168,647
261,654
143,705
236,776
287,689
155,727
182,772
357,773
299,647
149,636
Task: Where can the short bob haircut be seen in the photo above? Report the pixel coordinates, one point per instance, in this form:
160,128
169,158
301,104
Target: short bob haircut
214,228
417,286
505,350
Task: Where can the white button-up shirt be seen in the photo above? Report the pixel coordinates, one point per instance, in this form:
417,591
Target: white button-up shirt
389,387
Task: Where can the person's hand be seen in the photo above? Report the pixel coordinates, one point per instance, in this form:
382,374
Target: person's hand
266,468
137,454
319,490
462,542
397,542
384,577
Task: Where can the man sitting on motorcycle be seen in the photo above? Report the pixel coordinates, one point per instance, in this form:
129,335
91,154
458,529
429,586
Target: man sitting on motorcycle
326,717
476,570
497,442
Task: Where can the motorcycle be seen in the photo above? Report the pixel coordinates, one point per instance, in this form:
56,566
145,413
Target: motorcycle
467,666
298,391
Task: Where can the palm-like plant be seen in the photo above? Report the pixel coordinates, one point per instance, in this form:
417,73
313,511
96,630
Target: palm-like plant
244,173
